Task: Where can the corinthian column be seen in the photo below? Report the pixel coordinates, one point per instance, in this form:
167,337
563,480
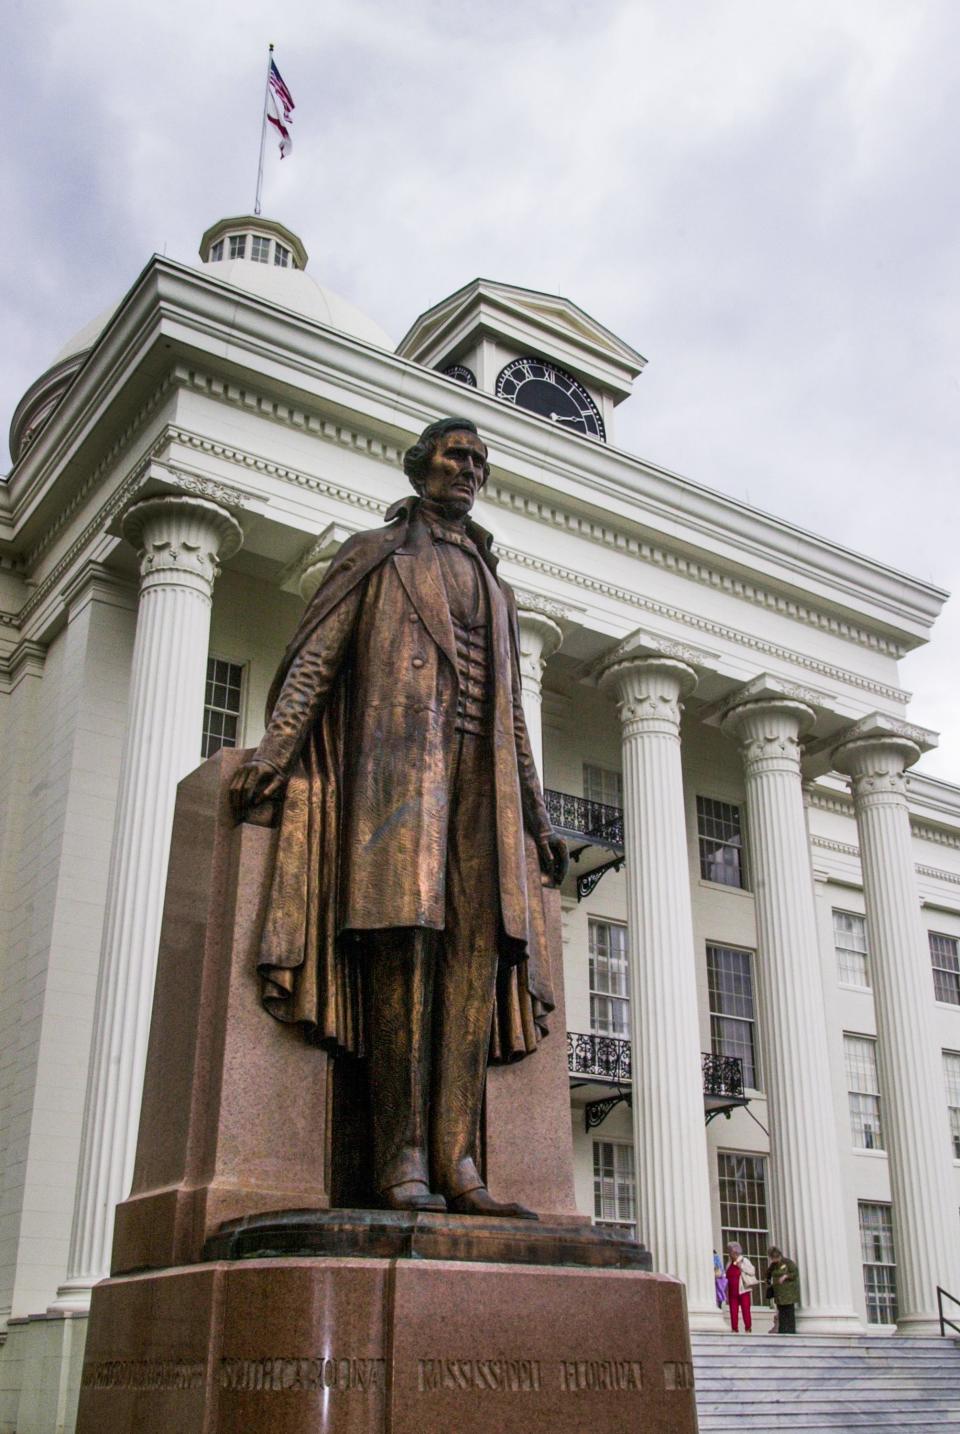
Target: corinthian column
807,1215
179,542
540,637
908,1051
673,1186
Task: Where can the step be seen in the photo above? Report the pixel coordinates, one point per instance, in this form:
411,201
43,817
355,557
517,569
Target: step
832,1384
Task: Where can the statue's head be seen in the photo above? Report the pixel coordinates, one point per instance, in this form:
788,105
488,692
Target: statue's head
437,451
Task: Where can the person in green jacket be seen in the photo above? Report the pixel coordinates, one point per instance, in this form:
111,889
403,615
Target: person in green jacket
783,1278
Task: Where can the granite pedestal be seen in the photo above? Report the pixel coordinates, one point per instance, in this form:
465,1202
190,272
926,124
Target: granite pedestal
221,1317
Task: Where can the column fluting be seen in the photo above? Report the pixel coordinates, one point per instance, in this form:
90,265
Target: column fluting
540,637
673,1186
806,1199
179,543
913,1104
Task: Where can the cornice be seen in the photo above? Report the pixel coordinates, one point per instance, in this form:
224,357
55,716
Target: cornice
792,567
96,474
703,624
26,660
149,468
843,848
246,397
555,515
938,835
937,873
837,802
387,453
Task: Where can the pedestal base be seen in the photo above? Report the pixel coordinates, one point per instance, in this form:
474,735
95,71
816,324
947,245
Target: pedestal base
367,1345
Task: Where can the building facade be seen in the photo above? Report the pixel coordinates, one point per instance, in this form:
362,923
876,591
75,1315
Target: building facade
762,920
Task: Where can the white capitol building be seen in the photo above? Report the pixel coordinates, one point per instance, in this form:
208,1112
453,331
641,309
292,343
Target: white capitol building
764,904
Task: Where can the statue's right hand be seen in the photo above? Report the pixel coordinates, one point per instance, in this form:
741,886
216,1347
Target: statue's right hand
253,783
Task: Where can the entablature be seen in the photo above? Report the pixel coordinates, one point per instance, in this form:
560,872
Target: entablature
179,329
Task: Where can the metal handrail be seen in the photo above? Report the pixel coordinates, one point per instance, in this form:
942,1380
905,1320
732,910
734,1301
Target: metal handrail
943,1319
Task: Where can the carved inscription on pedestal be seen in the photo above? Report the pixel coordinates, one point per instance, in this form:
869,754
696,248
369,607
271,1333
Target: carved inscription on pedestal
144,1374
600,1374
302,1375
504,1376
677,1374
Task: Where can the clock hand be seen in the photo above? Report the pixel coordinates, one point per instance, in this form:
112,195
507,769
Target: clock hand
558,418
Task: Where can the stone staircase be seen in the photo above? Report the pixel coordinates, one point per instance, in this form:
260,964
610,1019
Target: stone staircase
768,1383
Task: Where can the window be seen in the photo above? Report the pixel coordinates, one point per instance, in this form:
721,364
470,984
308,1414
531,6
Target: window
951,1075
221,713
850,944
614,1186
946,967
217,251
609,979
732,1016
860,1057
238,246
743,1206
879,1263
601,784
281,256
721,842
260,249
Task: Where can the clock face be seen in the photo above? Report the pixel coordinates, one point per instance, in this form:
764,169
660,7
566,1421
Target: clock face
461,373
542,388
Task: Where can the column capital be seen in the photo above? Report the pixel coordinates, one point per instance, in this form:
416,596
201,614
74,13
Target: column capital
307,571
540,636
181,540
768,731
875,754
649,692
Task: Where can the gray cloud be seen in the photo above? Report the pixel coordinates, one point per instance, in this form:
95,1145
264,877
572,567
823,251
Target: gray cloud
760,198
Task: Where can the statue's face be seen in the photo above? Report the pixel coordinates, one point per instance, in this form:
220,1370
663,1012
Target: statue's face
455,474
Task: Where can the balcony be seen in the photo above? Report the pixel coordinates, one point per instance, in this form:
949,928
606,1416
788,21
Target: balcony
601,1063
593,832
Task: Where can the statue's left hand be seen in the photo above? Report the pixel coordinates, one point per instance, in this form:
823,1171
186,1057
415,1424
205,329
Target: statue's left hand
554,857
253,783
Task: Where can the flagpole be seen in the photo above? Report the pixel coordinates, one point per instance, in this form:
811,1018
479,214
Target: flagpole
263,131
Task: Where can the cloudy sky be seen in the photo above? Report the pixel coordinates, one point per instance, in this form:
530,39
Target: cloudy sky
759,195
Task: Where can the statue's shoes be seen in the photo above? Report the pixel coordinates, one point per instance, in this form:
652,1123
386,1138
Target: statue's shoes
481,1202
412,1195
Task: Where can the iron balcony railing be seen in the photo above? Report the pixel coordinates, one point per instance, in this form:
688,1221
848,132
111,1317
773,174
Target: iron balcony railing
722,1075
595,822
607,1058
602,1057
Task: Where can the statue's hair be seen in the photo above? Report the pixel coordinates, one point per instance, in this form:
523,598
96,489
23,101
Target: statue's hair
417,458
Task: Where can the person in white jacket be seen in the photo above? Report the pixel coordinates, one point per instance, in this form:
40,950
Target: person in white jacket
741,1279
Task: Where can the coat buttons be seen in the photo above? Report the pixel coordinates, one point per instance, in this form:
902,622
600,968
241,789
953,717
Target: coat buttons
418,662
414,617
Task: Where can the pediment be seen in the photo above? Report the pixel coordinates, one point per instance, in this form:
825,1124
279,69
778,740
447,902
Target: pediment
526,318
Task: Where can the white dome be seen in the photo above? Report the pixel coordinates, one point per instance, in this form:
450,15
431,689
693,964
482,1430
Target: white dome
296,290
86,337
289,288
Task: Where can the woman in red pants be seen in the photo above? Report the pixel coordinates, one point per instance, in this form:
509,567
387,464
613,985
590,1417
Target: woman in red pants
741,1279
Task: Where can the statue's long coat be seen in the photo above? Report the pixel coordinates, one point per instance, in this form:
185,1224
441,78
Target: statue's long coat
361,716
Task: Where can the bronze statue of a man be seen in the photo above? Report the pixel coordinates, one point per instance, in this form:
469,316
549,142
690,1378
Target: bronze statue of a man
405,918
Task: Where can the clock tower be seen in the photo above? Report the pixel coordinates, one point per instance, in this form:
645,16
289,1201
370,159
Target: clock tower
538,351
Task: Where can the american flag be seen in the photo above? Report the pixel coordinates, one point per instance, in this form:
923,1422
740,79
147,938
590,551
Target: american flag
279,98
